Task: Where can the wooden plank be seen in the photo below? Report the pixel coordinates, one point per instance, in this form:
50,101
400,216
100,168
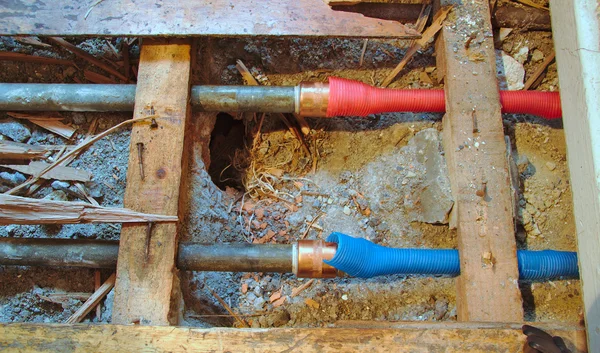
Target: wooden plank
487,289
408,337
58,173
145,274
49,122
576,32
188,18
23,210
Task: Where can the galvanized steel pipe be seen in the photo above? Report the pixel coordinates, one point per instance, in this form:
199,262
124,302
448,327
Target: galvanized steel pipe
121,98
296,258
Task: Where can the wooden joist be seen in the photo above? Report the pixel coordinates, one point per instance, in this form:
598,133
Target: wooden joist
146,267
487,289
576,32
408,337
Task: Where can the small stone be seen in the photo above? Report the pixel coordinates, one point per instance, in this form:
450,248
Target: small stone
441,308
522,163
25,314
551,166
60,185
279,318
258,291
537,56
345,176
330,200
258,303
94,189
15,130
56,195
410,174
12,178
345,297
521,55
347,210
510,72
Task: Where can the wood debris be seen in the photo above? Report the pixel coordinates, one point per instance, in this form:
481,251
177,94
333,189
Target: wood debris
21,151
59,173
35,41
87,56
311,225
97,285
423,17
50,122
63,298
74,152
438,22
301,288
279,302
22,210
85,194
533,81
241,321
533,4
251,81
126,63
92,301
12,56
362,53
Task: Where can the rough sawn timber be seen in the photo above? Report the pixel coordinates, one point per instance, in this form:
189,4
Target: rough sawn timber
192,18
487,288
146,273
450,337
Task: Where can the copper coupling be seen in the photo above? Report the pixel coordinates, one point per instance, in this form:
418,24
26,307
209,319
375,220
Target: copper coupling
308,256
312,99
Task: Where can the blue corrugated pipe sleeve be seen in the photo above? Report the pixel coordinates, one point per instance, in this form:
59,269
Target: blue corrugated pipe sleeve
361,258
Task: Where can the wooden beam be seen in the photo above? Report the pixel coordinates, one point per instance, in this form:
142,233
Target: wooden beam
576,32
192,18
146,265
408,337
487,289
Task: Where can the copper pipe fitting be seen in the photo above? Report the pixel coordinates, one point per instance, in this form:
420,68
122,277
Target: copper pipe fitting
308,259
312,99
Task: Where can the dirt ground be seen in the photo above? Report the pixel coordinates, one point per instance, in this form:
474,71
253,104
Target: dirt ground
359,176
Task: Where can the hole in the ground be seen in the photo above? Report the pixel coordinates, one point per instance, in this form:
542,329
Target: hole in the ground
227,139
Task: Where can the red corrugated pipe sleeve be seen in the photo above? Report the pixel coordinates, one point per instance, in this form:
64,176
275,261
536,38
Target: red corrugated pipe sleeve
353,98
